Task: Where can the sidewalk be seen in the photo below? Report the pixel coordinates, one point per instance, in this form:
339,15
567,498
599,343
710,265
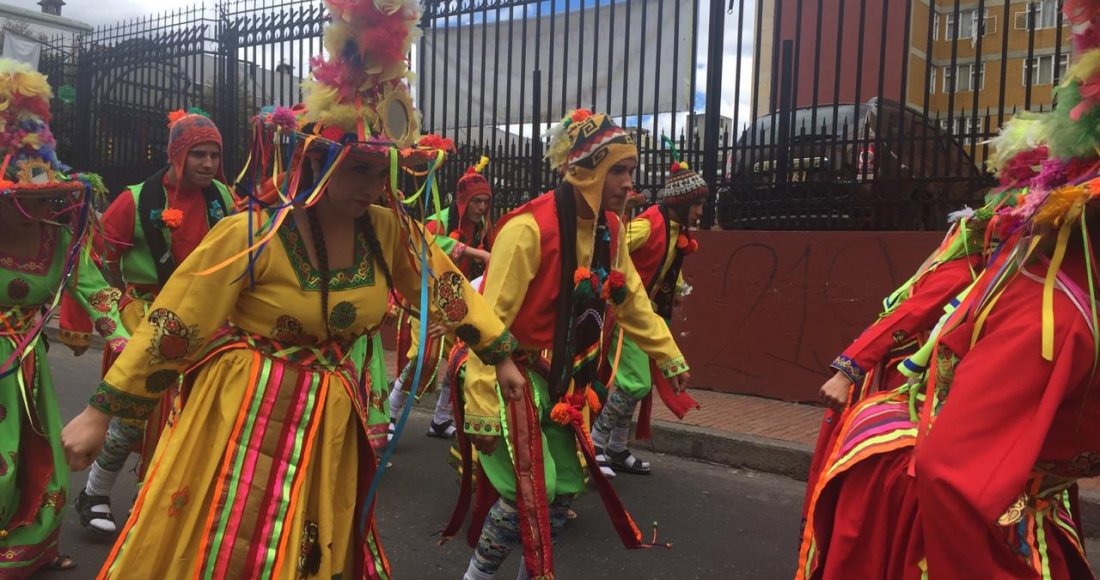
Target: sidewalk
744,432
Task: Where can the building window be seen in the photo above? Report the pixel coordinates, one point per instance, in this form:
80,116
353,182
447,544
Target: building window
961,125
1040,70
931,80
965,79
968,24
935,27
1039,15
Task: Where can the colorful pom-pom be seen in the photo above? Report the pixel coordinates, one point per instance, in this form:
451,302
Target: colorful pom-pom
176,116
580,115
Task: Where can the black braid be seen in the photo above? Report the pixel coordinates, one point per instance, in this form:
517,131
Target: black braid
322,261
366,226
452,217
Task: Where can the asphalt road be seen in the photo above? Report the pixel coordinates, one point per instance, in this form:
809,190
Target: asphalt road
722,522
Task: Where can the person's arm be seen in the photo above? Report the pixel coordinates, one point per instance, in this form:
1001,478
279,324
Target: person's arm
516,261
913,317
99,301
648,330
188,310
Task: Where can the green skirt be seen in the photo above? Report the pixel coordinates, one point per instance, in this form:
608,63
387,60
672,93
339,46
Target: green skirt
562,467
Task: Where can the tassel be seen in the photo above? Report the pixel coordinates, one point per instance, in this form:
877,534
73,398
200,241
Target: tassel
561,413
593,401
482,164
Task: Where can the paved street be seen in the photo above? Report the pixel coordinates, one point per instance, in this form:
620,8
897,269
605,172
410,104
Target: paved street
724,523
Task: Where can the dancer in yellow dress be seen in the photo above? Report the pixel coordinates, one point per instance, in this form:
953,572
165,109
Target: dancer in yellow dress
264,470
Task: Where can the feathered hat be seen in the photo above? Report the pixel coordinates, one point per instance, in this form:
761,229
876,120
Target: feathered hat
30,165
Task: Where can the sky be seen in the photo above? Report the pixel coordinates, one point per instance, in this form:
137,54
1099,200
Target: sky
92,12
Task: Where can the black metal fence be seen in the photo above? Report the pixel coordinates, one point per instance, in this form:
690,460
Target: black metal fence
802,114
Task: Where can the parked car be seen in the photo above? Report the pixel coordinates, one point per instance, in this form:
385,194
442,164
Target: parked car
873,166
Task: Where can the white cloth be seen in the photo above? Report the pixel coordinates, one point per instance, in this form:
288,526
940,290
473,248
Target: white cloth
21,48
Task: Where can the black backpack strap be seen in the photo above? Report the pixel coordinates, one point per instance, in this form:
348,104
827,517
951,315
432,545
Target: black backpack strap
153,197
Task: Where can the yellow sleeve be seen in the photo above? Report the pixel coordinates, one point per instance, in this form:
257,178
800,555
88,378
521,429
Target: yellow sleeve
452,302
515,261
637,234
648,330
185,314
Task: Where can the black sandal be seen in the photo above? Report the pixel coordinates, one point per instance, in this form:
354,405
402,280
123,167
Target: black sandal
84,504
444,430
61,563
604,463
625,461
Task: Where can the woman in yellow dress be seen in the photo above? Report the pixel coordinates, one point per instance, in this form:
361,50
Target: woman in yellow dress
265,470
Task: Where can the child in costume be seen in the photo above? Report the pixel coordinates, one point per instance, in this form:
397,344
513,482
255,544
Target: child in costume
462,231
39,259
148,231
265,469
658,241
559,262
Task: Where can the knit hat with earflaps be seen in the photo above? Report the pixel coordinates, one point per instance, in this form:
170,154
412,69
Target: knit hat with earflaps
584,147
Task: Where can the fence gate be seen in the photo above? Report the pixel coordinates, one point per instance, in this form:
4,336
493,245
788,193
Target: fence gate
802,114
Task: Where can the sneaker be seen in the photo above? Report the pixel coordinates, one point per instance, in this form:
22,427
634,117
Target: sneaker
95,513
444,430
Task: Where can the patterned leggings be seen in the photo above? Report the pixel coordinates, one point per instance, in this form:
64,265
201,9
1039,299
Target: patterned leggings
123,437
612,428
501,532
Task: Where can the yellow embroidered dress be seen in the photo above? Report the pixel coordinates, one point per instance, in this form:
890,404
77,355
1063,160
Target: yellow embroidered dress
264,465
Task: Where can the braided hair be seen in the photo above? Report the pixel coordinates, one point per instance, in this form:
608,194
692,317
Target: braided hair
366,229
322,261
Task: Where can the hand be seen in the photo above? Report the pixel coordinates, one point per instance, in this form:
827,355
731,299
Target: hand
511,380
479,255
485,444
83,437
390,317
437,330
679,383
835,391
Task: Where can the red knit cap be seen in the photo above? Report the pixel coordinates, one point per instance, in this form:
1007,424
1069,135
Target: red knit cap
185,131
471,185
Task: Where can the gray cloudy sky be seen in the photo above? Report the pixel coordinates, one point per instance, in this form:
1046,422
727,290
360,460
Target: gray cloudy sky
92,11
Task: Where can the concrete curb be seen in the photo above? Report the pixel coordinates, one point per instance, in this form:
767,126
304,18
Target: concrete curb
730,449
778,457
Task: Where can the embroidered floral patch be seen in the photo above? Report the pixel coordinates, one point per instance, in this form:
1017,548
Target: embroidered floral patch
309,553
172,338
105,326
54,500
105,300
290,330
3,466
482,426
449,298
162,380
18,289
342,316
121,404
179,501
